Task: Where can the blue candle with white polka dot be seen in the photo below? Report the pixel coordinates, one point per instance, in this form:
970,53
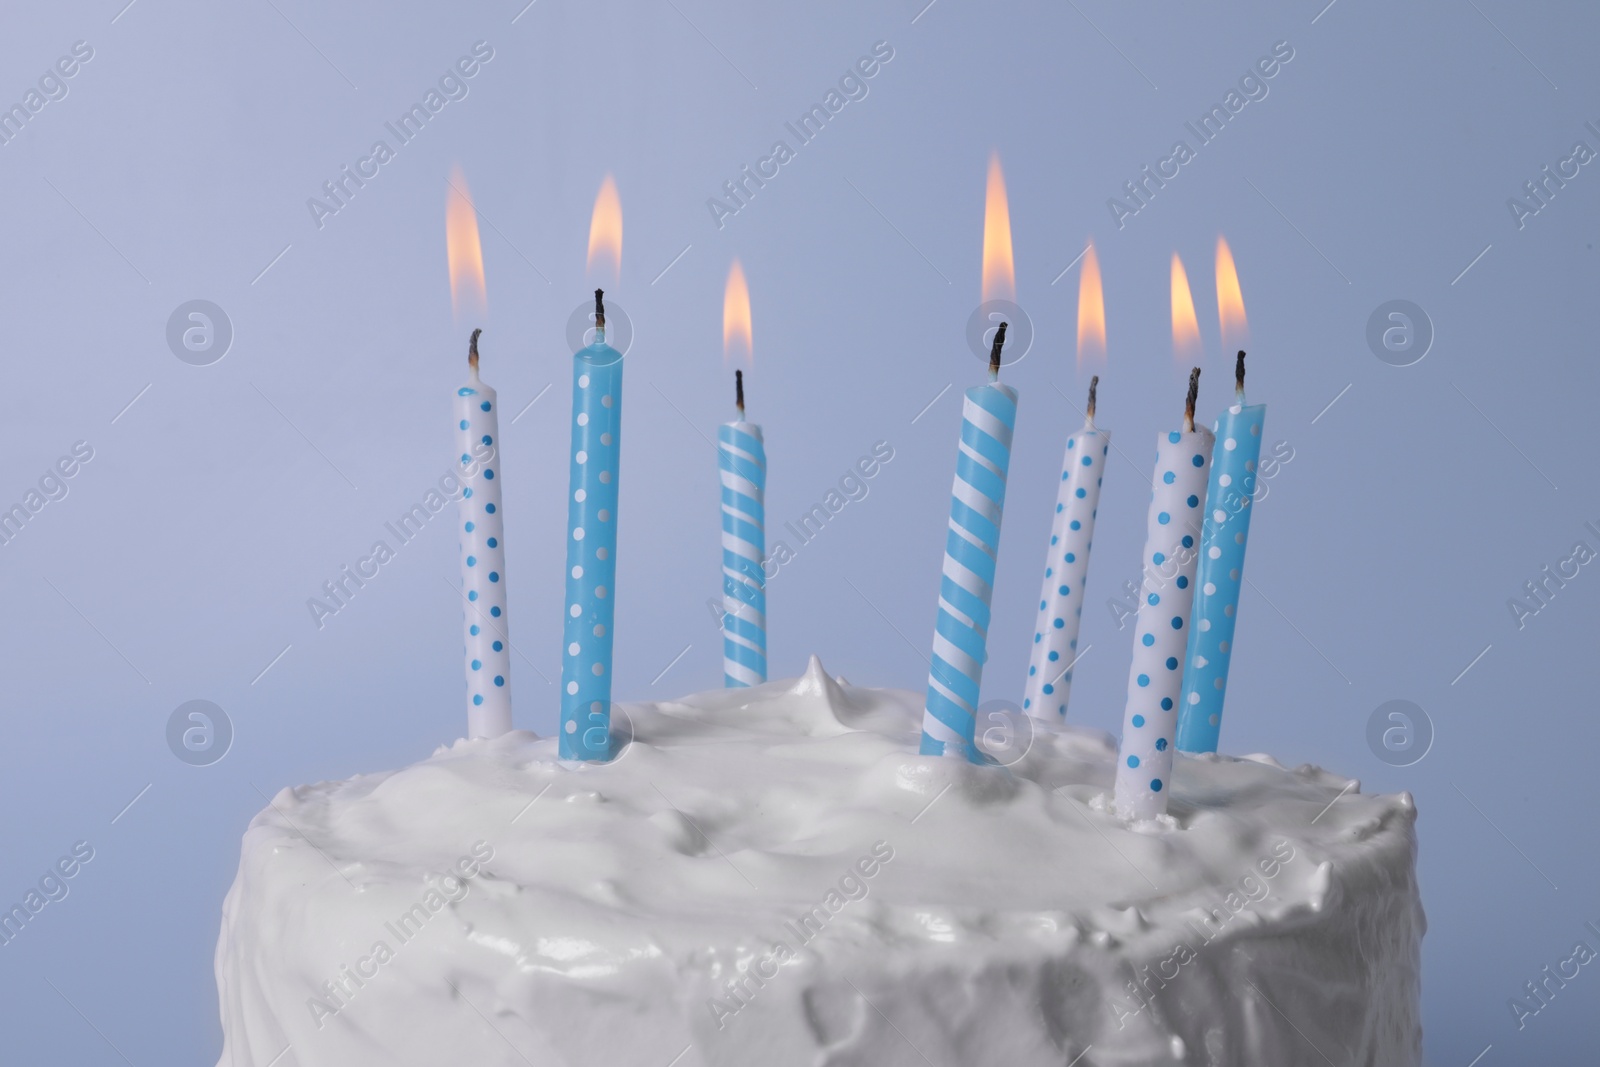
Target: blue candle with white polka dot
483,556
1155,679
1066,564
591,547
742,461
1221,572
972,540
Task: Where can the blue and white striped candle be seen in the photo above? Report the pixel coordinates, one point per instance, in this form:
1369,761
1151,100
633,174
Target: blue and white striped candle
742,461
483,556
1222,545
1066,565
591,547
1155,679
972,541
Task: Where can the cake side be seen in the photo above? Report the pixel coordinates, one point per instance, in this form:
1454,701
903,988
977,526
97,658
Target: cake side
774,875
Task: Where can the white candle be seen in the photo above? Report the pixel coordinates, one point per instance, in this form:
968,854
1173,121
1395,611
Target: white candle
1155,680
1055,634
483,556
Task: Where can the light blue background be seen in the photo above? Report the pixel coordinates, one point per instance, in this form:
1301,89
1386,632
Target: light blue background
179,564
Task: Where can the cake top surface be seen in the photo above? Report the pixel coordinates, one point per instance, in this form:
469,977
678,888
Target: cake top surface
734,814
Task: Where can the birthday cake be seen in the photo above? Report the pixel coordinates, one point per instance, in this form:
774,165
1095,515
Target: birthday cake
774,876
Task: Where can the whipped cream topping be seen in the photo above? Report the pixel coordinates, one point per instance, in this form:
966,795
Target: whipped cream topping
775,875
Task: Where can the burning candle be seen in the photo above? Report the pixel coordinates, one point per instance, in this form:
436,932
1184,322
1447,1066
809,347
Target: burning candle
1066,562
1144,762
592,517
483,556
1172,528
1222,539
742,462
485,622
977,503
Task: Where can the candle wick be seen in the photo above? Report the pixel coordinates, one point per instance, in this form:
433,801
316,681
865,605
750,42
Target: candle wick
994,353
600,314
738,392
1238,375
472,350
1088,411
1188,404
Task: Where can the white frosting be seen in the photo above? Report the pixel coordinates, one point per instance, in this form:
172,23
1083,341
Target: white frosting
1006,918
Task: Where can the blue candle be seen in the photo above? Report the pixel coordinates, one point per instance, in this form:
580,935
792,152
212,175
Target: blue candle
742,459
591,547
1222,545
972,540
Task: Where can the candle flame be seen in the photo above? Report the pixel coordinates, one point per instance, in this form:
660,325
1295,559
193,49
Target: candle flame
1185,328
1230,301
462,249
999,277
1091,310
736,338
605,228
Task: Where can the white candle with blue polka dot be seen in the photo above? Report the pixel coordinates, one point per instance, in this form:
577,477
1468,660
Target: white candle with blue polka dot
483,556
1155,679
591,547
1055,634
742,461
1221,572
972,541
